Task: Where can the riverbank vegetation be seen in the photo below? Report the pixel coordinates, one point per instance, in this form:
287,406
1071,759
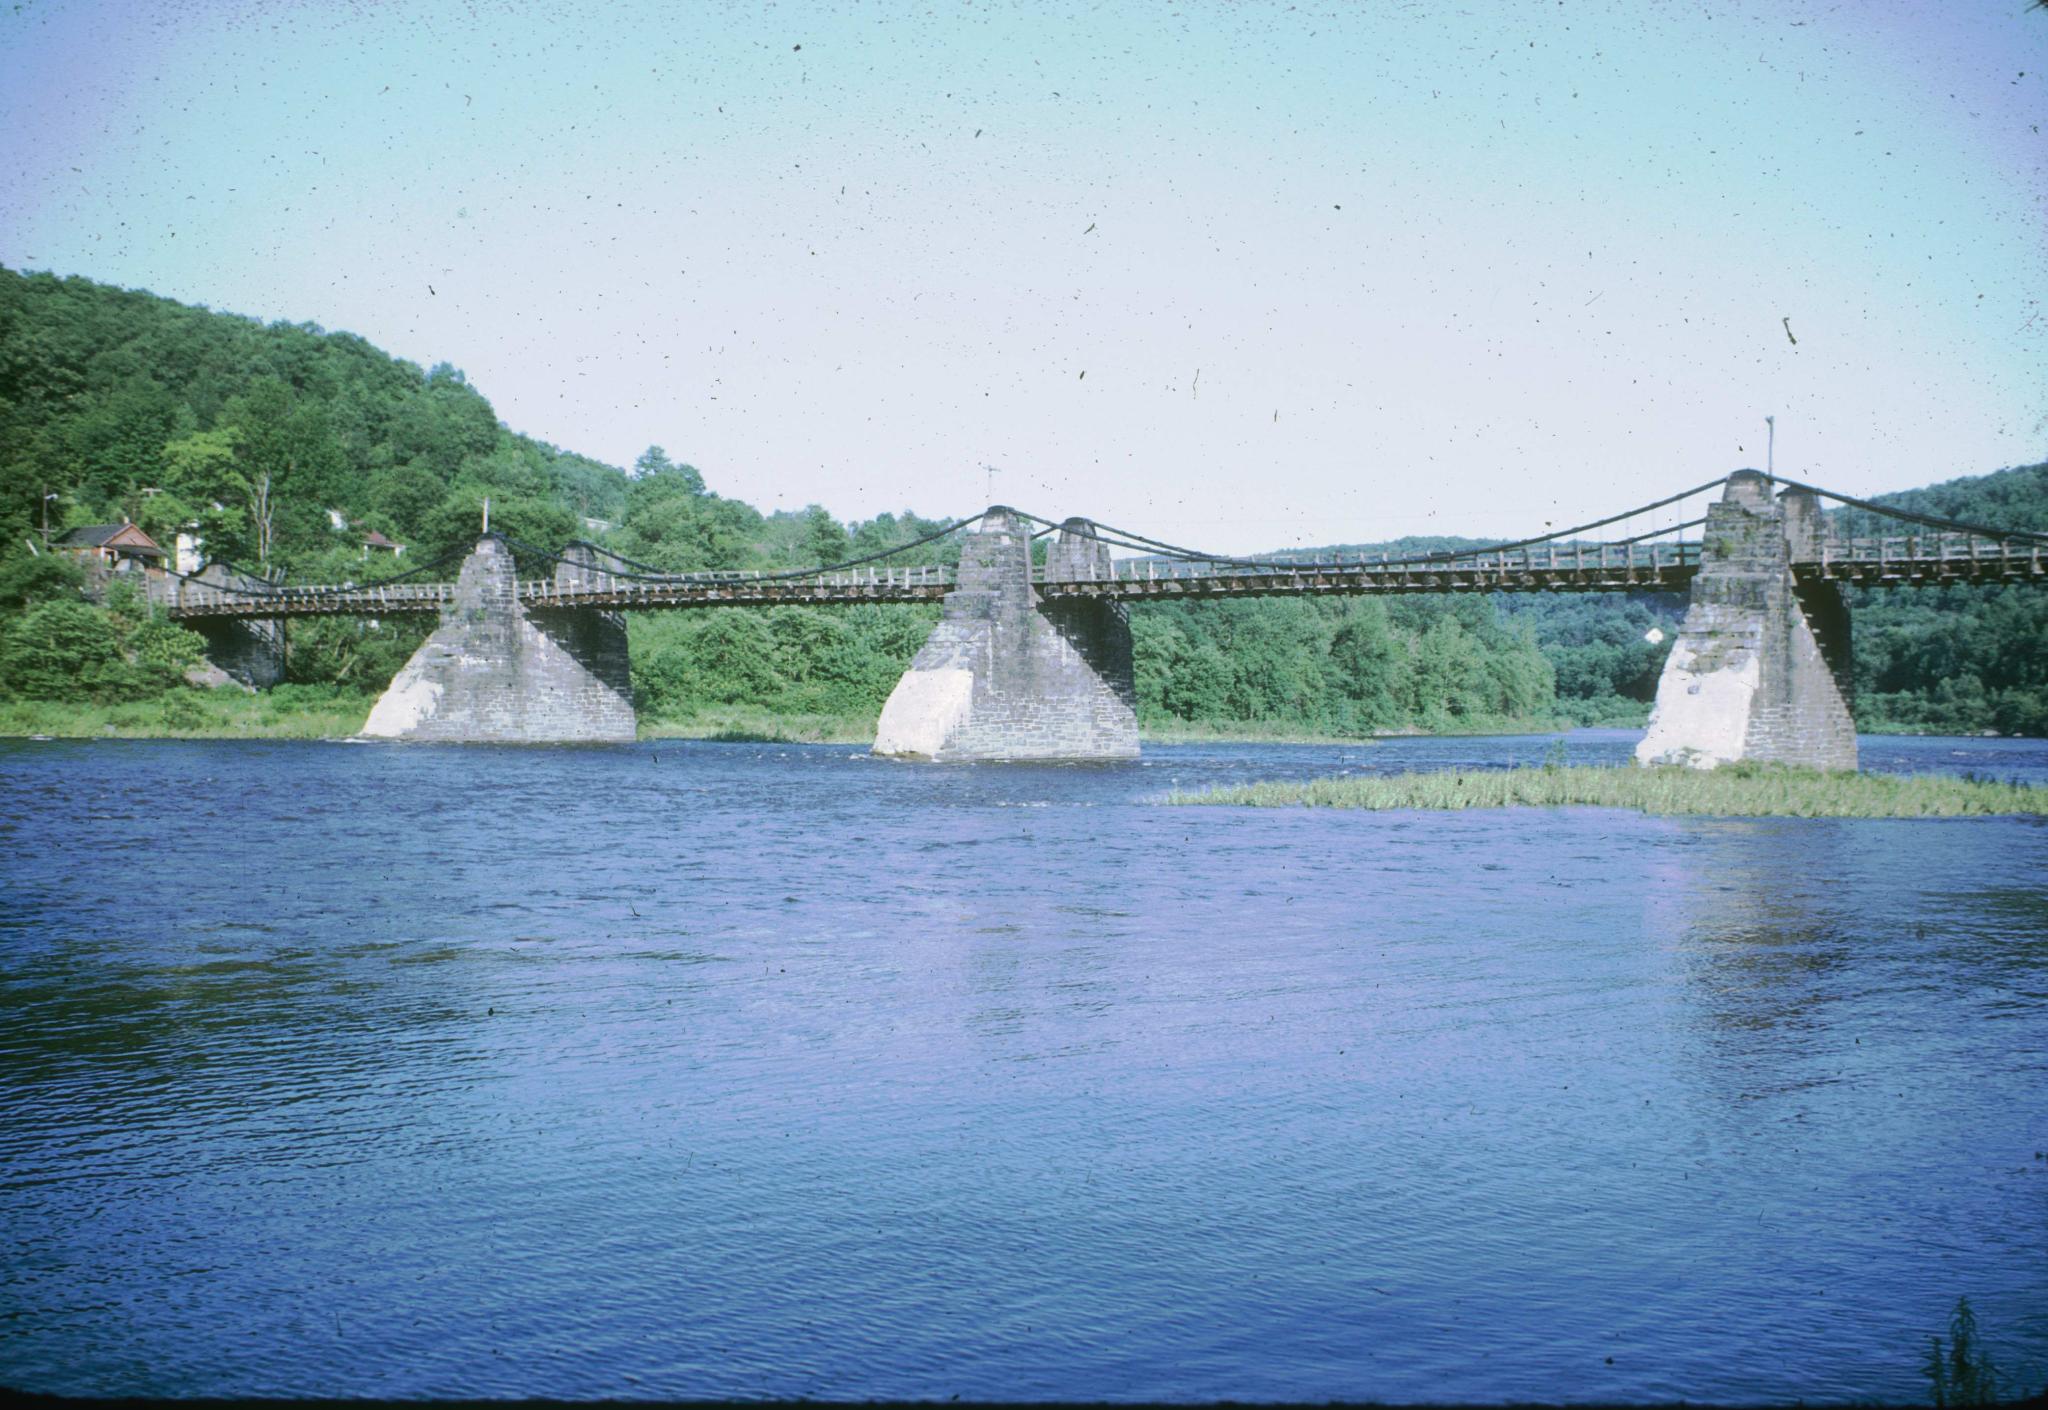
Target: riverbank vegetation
283,446
284,712
1955,660
1963,1374
1736,790
749,724
1344,667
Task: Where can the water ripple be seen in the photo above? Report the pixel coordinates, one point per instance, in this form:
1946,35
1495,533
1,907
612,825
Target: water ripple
727,1070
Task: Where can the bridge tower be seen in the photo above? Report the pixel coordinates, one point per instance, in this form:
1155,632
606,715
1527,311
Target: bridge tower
249,649
1761,668
1007,676
498,672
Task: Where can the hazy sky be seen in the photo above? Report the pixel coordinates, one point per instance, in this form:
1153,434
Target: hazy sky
1239,274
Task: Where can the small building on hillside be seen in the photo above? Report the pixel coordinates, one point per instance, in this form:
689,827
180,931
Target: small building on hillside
374,542
118,548
191,551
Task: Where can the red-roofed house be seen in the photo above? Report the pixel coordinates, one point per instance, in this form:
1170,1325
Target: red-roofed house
121,547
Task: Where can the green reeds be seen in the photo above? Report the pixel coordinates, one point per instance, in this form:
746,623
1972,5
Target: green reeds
1736,790
1963,1375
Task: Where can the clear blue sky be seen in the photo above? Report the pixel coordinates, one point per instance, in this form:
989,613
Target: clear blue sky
1439,268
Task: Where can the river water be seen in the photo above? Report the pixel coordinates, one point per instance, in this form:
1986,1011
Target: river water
738,1070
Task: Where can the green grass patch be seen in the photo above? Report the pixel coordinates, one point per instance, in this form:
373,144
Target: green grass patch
326,712
1172,731
1739,790
1240,732
1606,712
747,724
287,712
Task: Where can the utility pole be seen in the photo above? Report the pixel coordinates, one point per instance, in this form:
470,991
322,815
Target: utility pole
487,514
991,486
1771,446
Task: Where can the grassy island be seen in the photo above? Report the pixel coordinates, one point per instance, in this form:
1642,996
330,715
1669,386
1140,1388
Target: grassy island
1740,790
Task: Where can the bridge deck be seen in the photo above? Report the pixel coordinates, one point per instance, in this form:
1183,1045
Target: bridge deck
1912,561
1927,560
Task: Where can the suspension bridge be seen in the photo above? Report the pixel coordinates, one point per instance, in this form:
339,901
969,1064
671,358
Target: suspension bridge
1031,657
588,575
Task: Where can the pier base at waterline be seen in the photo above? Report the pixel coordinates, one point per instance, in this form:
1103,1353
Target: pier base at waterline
498,672
1761,668
1006,676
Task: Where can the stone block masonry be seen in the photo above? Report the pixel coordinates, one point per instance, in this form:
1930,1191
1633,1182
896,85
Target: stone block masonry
249,649
1004,676
496,672
1762,666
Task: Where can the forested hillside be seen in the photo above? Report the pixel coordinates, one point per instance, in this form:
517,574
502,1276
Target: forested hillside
121,403
283,445
1958,660
118,405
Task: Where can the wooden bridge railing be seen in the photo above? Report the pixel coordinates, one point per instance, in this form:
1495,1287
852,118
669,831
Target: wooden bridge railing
867,582
1547,558
201,600
1901,559
2020,558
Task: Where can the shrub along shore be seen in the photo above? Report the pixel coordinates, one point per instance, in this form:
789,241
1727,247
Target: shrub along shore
1738,790
284,712
295,711
330,712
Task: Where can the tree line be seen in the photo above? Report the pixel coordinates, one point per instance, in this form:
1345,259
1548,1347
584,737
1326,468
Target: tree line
1955,660
116,404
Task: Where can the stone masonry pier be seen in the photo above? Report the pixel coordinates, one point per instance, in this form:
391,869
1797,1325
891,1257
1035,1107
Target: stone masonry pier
1761,667
1035,663
249,649
497,671
1006,676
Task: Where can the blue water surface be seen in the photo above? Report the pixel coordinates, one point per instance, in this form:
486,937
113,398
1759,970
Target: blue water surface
743,1070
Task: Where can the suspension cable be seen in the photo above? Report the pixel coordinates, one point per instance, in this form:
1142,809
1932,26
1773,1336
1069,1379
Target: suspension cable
194,580
261,576
1932,521
1659,533
280,588
451,556
650,573
1306,565
1440,556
